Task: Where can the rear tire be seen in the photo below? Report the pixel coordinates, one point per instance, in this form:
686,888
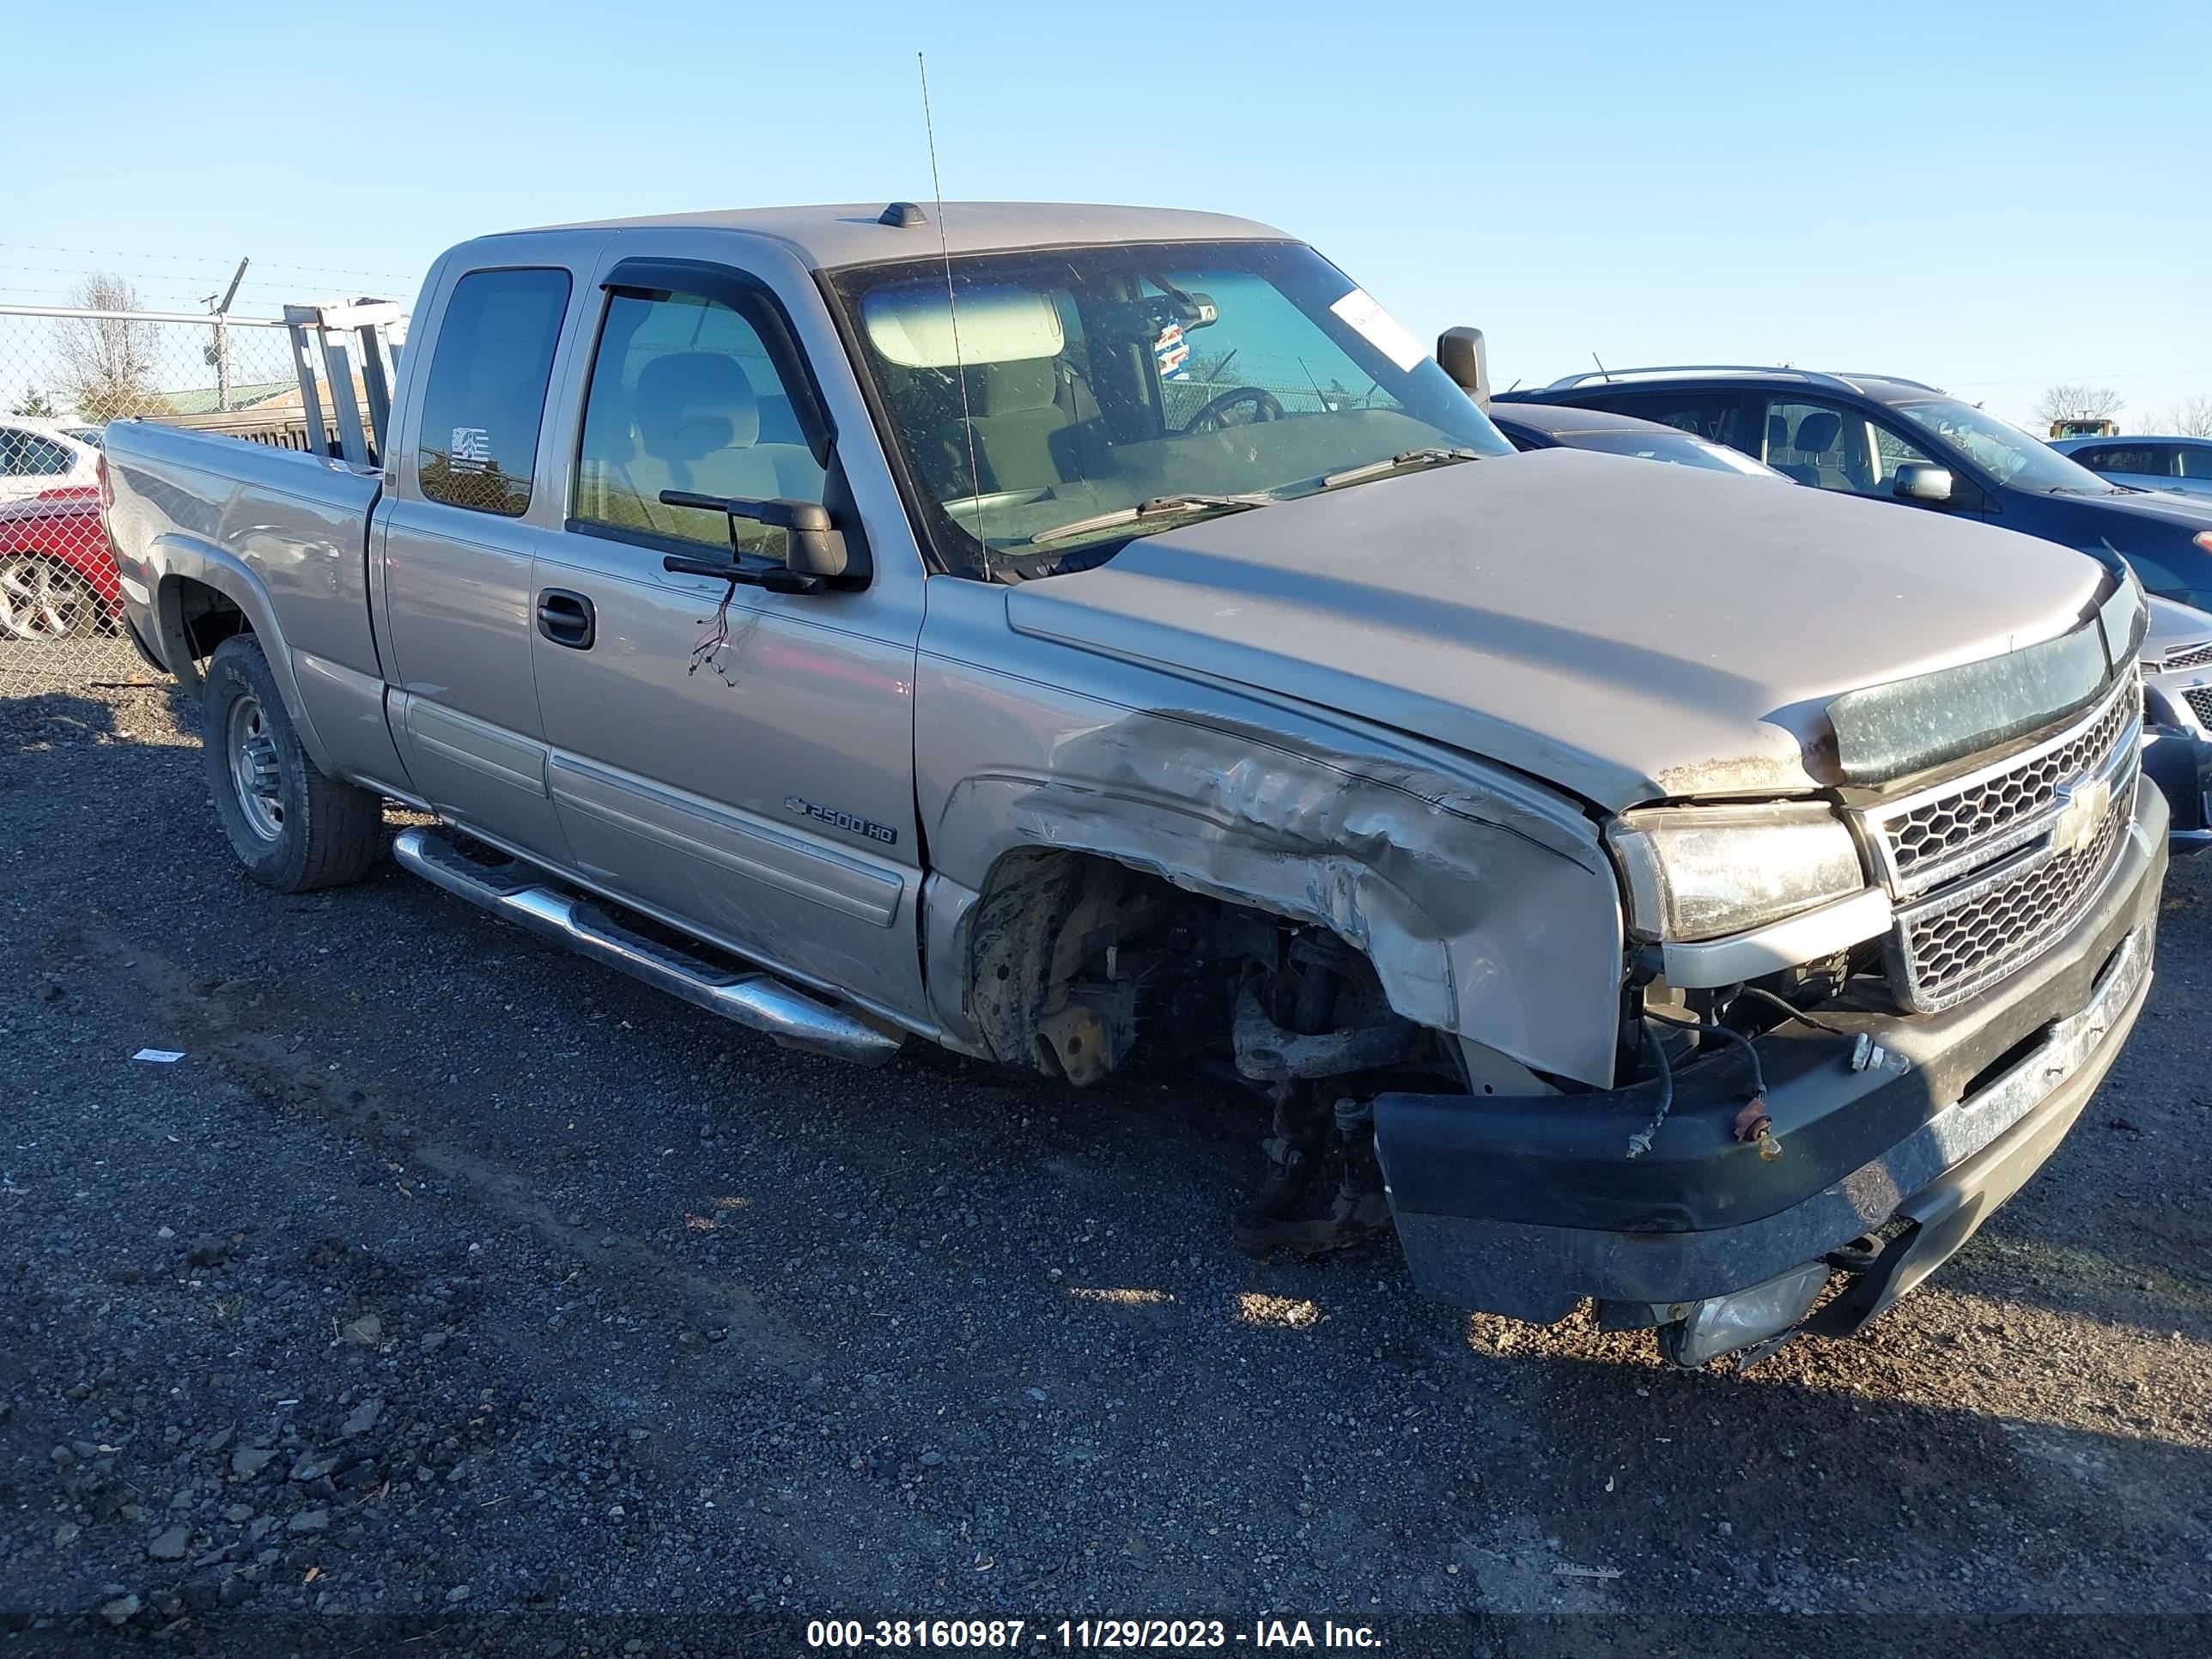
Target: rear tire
293,829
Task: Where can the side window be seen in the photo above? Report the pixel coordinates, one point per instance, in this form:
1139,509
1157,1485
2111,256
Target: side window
1830,446
1891,449
685,396
486,397
1713,416
26,454
2140,460
2196,460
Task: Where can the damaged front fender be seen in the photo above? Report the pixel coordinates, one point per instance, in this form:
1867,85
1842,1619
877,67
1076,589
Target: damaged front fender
1484,903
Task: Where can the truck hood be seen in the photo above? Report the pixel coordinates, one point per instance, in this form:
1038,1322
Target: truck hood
1626,631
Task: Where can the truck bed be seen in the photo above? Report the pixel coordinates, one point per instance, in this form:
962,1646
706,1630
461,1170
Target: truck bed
276,533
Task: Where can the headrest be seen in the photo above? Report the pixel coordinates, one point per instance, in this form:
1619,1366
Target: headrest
690,404
1005,388
1777,432
1816,432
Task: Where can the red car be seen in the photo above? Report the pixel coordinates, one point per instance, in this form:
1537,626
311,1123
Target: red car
57,578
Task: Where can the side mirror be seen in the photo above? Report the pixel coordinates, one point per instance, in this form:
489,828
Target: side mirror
1921,481
1459,354
816,552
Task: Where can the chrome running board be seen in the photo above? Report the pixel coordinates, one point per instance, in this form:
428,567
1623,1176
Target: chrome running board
518,892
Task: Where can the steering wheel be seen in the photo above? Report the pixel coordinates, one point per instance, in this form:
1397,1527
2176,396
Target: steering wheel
1209,418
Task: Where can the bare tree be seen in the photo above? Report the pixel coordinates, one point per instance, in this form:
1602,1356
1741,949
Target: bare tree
2072,402
2190,418
107,362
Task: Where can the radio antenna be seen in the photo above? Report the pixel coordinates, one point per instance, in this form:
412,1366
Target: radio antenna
953,308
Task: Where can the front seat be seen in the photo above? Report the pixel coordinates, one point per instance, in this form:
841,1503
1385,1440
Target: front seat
698,428
1816,437
1016,423
1777,438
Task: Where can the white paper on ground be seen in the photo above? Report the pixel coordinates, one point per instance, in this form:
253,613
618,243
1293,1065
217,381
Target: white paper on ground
159,1056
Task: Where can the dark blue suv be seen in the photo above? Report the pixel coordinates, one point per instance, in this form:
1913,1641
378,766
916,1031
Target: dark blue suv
1896,439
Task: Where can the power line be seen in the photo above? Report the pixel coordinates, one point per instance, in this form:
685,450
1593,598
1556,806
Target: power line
2131,375
191,258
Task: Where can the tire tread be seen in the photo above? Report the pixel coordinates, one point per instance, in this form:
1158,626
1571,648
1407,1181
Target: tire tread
342,837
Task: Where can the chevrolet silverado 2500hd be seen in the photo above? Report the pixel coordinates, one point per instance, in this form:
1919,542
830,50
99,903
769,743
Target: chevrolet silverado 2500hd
1089,638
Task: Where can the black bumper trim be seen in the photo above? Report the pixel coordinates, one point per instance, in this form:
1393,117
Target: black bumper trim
1524,1207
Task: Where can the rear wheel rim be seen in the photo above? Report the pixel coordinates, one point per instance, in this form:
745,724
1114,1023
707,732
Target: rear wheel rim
41,600
256,772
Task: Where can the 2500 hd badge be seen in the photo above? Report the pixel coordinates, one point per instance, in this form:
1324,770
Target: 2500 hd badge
835,819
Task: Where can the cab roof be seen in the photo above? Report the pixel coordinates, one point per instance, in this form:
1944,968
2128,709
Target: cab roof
855,234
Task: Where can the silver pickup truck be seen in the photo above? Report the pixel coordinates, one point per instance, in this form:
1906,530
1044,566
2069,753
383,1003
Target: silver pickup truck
1093,638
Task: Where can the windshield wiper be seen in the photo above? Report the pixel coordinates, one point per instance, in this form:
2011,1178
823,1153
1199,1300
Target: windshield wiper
1432,455
1153,508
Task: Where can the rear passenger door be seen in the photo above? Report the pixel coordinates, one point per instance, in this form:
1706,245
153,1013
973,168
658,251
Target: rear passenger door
462,519
738,760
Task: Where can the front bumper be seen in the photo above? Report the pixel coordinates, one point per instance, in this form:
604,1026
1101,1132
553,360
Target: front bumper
1524,1207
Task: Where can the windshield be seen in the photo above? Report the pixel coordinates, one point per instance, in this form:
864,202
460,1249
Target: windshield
2001,448
1111,393
1680,448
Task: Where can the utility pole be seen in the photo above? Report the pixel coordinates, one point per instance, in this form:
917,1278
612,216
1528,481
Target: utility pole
219,353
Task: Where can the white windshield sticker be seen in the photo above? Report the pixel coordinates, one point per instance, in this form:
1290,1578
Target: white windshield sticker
1380,329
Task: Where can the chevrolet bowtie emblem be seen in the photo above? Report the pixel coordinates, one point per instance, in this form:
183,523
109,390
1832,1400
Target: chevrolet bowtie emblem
2081,809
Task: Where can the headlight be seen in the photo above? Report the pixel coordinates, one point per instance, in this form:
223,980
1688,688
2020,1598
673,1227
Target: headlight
1696,872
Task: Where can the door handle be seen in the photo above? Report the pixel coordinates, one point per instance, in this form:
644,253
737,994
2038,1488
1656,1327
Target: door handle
566,618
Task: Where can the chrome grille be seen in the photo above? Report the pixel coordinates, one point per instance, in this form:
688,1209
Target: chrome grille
1957,827
1958,943
1987,870
2200,701
2190,656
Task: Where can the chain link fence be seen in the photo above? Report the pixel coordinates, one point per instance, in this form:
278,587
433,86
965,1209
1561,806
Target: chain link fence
64,372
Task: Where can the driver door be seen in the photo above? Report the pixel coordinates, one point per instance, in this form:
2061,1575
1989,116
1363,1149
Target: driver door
737,761
1839,447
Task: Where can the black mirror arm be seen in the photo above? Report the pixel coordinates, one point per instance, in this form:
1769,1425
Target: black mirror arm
808,524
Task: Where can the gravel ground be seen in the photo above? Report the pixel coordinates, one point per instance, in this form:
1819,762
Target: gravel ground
446,1275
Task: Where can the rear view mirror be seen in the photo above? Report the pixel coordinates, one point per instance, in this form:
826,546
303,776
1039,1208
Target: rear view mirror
816,551
1921,481
1460,352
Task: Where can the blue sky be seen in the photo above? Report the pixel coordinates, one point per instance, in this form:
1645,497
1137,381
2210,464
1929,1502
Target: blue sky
1987,197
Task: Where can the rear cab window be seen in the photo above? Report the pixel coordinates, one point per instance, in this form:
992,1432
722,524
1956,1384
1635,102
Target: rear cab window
485,404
